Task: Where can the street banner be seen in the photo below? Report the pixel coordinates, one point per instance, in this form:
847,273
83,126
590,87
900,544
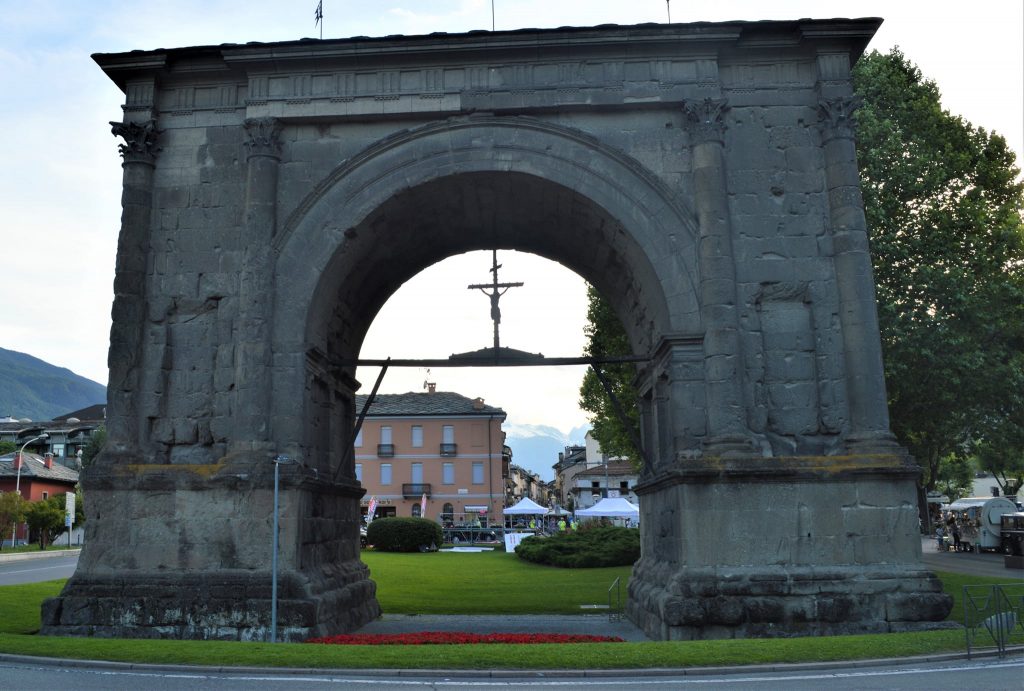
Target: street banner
371,509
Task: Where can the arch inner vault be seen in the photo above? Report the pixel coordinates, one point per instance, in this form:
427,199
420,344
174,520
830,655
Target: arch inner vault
702,176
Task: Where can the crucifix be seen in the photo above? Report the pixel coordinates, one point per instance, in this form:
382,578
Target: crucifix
495,293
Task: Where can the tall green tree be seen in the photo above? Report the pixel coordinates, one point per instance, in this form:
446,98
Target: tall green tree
1001,452
94,446
606,337
12,512
45,519
943,200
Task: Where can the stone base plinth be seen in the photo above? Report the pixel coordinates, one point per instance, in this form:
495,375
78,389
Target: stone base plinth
745,547
185,551
778,602
208,606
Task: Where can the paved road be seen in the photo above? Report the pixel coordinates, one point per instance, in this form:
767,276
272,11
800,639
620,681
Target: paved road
986,564
923,676
35,570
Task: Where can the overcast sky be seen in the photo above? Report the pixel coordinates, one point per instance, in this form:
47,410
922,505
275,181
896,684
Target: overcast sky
60,178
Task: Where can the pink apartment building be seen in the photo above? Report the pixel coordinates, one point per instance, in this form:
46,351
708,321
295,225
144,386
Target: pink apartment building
438,444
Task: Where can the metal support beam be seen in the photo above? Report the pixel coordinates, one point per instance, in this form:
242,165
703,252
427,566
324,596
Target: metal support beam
362,416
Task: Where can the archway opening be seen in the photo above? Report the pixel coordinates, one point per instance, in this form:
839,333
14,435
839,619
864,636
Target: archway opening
420,226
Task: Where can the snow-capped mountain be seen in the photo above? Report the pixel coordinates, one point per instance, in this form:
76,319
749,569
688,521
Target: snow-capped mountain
536,447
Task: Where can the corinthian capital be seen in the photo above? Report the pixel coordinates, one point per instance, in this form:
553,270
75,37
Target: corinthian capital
837,117
263,137
139,140
705,119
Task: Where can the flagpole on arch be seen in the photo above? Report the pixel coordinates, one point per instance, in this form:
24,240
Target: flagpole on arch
319,15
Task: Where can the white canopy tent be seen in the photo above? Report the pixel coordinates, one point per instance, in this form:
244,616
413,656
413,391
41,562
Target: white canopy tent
611,507
526,507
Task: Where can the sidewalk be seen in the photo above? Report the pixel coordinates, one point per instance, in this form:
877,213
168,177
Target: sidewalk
6,557
576,624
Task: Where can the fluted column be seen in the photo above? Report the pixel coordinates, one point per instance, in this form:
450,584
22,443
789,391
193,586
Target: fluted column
728,433
128,315
858,316
253,357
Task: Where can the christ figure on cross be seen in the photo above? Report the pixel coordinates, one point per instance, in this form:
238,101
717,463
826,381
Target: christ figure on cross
494,290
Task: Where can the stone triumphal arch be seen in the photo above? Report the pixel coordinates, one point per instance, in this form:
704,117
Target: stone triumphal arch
702,177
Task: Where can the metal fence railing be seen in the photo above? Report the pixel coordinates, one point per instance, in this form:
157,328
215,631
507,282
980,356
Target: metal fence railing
993,616
615,606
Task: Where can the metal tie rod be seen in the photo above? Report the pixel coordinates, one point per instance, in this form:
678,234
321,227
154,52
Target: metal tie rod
495,362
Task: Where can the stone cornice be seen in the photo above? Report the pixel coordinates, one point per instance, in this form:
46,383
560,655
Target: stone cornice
570,65
781,469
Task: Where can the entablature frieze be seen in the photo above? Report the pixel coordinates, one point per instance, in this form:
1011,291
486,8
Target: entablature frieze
629,65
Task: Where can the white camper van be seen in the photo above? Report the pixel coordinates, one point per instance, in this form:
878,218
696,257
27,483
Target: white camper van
978,518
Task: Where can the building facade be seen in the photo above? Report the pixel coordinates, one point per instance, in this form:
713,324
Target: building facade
437,446
570,462
584,475
521,483
36,478
66,435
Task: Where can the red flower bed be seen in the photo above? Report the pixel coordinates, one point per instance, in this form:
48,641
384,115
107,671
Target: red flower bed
458,637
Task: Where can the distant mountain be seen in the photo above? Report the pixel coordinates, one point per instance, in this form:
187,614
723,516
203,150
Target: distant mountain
34,389
536,447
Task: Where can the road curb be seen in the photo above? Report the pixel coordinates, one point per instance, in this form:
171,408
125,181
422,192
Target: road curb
1013,654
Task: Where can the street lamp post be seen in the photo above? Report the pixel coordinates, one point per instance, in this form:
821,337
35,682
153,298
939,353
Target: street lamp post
278,460
17,482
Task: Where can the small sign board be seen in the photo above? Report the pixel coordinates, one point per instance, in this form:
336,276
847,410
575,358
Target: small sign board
512,540
69,507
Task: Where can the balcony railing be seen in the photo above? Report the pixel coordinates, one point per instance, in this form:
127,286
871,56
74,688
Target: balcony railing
385,450
415,490
449,449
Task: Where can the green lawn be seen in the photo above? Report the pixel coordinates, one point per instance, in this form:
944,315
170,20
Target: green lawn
954,583
484,583
491,583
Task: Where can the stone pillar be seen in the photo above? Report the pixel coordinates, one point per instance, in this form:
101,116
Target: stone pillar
253,357
865,377
727,430
128,314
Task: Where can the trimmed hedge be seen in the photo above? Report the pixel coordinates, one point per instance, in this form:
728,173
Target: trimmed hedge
585,548
403,534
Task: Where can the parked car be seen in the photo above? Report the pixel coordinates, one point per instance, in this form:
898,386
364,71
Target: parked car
1012,534
362,536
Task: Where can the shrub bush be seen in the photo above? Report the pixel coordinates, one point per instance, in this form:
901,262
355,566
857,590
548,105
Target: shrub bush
403,534
585,548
